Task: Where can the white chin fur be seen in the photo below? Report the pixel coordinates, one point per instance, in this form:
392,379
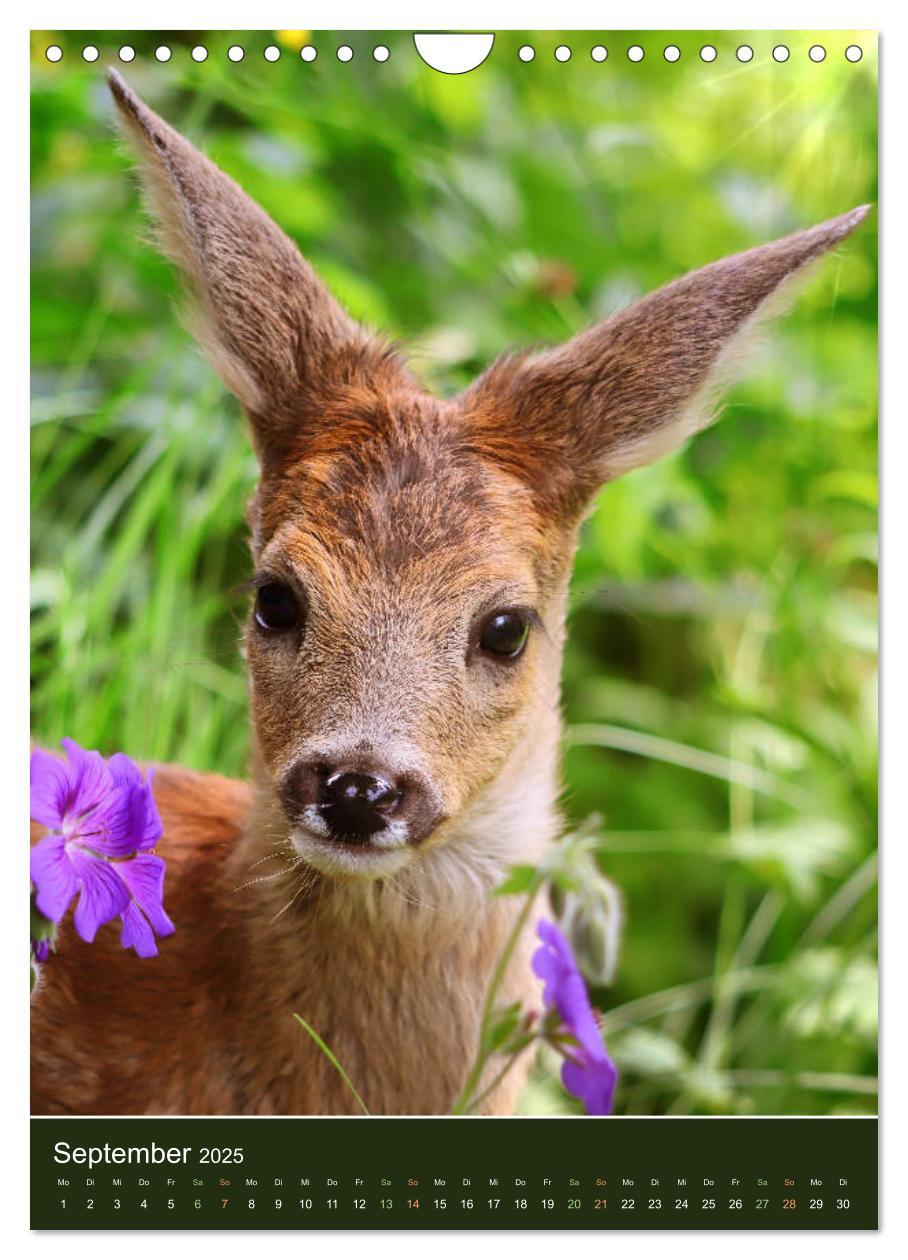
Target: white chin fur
386,853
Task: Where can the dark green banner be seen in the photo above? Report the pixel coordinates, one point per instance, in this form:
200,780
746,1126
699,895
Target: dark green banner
521,1173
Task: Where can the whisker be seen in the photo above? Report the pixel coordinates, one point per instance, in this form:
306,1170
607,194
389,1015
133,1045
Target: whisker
303,885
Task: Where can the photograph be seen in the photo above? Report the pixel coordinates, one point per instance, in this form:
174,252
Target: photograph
453,574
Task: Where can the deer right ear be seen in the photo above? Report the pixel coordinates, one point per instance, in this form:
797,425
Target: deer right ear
634,387
265,321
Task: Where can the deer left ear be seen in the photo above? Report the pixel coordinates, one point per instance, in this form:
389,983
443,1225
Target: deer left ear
268,325
634,387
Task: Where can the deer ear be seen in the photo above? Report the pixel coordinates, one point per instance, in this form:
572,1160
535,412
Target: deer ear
265,321
632,388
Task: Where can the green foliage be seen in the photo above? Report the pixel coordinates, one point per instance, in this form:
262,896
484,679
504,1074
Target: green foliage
720,679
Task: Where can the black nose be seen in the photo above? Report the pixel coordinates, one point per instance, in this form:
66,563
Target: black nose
357,805
357,796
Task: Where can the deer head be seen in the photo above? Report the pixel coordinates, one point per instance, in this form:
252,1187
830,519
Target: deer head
411,554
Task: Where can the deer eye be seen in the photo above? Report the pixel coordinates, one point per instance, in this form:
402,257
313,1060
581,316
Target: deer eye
277,607
505,634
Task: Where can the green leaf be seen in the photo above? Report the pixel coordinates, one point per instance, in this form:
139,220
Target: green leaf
830,994
649,1053
520,879
329,1055
503,1025
41,928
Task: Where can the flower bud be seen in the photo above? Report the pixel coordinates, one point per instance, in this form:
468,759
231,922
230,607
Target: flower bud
592,923
586,904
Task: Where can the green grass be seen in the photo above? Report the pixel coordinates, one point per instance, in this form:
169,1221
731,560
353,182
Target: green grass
720,679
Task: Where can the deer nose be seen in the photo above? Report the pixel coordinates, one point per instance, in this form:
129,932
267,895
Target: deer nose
357,797
357,805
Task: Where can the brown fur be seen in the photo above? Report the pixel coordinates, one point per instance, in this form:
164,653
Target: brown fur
401,521
206,1027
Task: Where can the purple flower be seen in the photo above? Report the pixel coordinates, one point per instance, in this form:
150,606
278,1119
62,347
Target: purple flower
40,950
102,820
588,1073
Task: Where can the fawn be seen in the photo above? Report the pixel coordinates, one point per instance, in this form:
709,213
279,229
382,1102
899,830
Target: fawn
412,558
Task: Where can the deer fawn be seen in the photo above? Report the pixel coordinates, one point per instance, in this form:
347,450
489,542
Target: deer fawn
412,559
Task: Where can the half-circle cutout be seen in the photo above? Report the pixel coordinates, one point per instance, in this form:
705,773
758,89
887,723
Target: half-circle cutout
454,54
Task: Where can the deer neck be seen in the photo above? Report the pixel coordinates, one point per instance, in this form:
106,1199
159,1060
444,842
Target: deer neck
392,974
426,908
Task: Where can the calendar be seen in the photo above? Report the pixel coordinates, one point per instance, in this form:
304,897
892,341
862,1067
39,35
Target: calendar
450,1174
453,776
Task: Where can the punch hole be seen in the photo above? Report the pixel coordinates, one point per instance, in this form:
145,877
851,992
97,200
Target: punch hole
672,53
126,53
780,53
744,53
89,53
599,53
526,53
199,53
707,53
562,53
453,54
235,52
53,53
381,52
345,53
308,52
817,53
162,53
272,53
635,53
854,52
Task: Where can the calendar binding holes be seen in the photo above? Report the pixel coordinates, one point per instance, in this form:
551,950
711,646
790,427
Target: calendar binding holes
708,53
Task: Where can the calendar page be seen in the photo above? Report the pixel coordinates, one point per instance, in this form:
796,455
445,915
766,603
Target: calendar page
453,778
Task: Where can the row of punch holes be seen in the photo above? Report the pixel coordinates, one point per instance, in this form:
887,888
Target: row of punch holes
527,52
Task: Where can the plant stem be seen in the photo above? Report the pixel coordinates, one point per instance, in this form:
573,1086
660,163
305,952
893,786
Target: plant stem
496,1081
463,1101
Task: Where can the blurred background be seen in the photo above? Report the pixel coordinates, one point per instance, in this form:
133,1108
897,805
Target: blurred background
720,681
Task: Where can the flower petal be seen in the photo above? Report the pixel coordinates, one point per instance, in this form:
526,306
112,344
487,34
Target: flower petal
121,823
91,779
143,875
103,897
52,785
137,824
53,876
126,774
565,989
123,770
154,827
136,934
592,1082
